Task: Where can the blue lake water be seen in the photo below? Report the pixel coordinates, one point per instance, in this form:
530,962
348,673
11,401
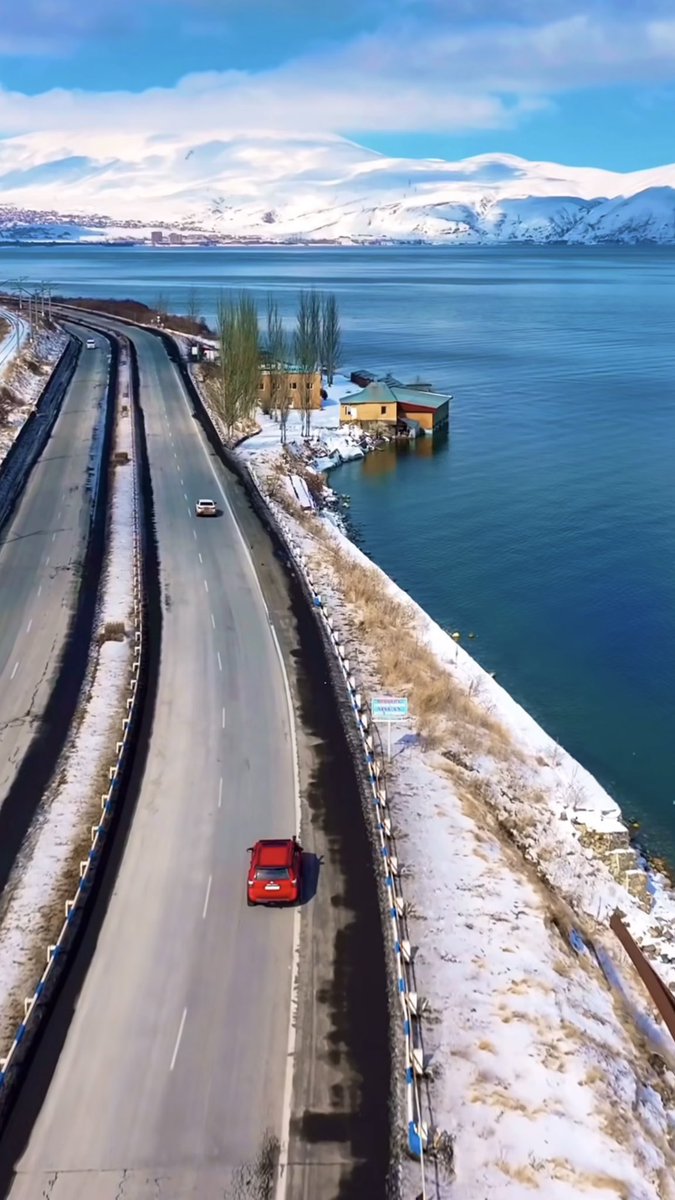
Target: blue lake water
545,522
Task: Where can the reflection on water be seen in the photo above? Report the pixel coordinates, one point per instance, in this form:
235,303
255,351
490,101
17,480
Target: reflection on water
389,457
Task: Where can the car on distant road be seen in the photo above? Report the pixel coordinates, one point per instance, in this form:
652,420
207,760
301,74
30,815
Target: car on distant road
206,508
91,344
275,872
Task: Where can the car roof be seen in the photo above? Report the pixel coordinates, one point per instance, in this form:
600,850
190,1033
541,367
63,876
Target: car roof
206,502
274,853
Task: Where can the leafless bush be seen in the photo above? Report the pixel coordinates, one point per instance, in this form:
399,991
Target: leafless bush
7,403
113,631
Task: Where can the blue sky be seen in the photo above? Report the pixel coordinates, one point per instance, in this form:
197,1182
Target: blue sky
587,84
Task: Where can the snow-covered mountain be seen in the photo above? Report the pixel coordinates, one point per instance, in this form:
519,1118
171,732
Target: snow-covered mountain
288,189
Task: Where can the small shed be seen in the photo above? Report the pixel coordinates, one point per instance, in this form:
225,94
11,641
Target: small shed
431,410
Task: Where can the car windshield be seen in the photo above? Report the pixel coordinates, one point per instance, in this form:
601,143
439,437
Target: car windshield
272,873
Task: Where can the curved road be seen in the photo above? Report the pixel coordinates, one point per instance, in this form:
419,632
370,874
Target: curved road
11,344
174,1064
41,548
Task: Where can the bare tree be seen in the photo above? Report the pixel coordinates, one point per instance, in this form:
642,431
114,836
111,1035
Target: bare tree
224,393
234,386
331,336
307,344
162,306
277,365
248,353
192,303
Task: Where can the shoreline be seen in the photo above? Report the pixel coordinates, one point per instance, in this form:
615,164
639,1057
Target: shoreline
610,831
347,445
511,859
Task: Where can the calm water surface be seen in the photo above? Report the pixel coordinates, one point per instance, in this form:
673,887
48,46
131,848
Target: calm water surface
546,521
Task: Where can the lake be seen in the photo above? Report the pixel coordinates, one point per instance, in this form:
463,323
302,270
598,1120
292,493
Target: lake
545,521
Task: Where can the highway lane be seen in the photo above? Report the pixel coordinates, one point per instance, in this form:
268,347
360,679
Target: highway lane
41,548
11,344
174,1064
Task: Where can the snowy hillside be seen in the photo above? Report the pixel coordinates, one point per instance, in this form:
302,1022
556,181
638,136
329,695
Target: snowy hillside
279,189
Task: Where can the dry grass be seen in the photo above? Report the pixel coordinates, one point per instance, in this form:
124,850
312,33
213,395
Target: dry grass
113,631
521,1174
7,404
589,1181
442,707
533,1174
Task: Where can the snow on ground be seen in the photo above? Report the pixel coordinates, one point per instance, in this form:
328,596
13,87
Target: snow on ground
46,872
331,444
551,1070
25,377
547,1078
555,802
536,1077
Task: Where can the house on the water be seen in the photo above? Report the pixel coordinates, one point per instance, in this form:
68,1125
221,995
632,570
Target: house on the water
397,408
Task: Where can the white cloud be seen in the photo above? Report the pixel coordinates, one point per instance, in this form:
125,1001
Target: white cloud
405,77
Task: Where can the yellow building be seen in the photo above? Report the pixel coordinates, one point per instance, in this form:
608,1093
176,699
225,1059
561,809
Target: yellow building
295,381
396,408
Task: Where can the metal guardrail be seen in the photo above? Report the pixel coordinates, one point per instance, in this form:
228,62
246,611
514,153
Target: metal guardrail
661,995
35,1006
411,1005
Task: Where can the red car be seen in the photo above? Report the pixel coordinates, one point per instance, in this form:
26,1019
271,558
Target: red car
275,872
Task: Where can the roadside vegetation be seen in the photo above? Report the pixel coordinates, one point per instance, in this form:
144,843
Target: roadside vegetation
534,1015
189,323
247,348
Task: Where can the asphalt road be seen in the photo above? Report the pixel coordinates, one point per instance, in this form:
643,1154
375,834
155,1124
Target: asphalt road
174,1064
14,339
41,549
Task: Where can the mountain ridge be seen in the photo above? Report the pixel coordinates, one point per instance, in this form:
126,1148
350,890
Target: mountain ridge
281,189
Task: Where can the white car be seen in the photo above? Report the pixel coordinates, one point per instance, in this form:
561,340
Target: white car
91,344
206,508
